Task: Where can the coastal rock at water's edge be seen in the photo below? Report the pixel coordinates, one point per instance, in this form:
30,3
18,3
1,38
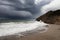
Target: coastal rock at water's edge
51,17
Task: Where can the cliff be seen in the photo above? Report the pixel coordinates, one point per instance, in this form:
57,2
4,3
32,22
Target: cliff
51,17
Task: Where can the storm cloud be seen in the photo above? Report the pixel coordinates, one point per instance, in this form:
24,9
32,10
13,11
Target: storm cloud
21,9
54,5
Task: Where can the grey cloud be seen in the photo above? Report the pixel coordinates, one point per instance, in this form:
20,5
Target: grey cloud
21,9
54,5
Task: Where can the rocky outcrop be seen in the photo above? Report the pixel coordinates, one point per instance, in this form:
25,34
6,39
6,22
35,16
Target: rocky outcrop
51,17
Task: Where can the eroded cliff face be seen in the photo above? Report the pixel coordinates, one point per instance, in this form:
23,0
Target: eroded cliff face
51,17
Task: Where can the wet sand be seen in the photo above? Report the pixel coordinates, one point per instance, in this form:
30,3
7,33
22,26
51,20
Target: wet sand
53,33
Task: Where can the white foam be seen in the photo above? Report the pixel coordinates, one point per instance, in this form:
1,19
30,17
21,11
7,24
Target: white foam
13,27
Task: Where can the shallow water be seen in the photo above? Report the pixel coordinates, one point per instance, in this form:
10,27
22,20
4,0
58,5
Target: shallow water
14,28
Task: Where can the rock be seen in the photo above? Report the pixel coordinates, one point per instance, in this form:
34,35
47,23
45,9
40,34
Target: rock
51,17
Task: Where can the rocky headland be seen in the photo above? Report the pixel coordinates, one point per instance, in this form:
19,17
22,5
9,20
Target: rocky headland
51,17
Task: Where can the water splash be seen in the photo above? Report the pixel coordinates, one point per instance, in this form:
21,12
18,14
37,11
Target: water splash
13,28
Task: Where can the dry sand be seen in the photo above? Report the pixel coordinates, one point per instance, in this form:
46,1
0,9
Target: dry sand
53,33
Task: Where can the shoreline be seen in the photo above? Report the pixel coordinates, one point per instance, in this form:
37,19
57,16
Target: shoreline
53,33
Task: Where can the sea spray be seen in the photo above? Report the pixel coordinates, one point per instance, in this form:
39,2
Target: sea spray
13,28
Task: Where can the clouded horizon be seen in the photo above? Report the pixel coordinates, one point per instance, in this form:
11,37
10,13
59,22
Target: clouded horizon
26,9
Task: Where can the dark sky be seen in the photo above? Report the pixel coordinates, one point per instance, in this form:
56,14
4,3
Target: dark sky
22,9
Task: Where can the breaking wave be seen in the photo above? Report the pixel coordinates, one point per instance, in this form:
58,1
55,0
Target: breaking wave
13,28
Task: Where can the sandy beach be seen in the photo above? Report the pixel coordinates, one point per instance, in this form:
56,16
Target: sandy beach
53,33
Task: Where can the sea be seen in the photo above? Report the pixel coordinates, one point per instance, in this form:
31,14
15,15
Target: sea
20,27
